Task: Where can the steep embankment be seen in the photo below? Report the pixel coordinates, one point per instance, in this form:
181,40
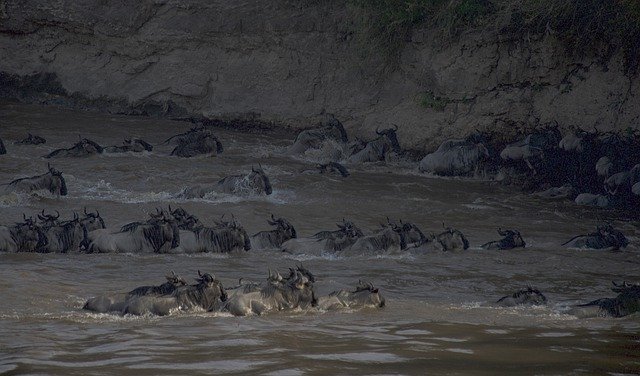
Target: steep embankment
291,61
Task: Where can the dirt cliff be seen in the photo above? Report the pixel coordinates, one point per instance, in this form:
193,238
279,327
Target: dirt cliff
289,62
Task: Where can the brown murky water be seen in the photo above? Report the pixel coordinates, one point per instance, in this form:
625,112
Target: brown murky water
438,319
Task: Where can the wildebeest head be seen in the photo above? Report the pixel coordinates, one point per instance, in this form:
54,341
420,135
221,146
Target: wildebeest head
259,180
237,234
184,220
452,239
28,235
350,229
390,134
410,234
212,289
366,294
512,238
612,236
138,144
283,225
92,221
303,290
56,183
48,220
526,296
88,146
167,229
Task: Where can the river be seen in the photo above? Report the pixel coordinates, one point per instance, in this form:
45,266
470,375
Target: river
438,319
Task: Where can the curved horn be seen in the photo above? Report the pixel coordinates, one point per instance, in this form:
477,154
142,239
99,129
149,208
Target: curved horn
395,127
85,211
75,216
24,217
199,273
58,215
378,132
97,213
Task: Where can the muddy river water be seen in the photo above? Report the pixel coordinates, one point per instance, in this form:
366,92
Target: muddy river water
438,318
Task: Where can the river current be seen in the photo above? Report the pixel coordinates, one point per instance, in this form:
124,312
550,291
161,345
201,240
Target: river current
438,319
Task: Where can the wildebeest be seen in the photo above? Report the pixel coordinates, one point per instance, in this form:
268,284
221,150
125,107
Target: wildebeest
533,145
333,168
456,158
379,148
511,239
605,237
134,145
207,294
224,238
325,241
622,181
184,220
31,140
526,296
82,148
627,302
200,143
452,240
157,235
117,302
365,295
273,239
24,236
51,181
48,220
64,237
92,221
345,229
278,294
3,150
254,183
330,130
390,238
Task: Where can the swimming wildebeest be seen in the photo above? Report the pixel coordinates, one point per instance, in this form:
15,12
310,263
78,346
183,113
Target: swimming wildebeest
345,229
325,241
117,302
24,236
365,295
134,145
627,302
225,237
202,143
605,237
256,182
456,157
158,235
526,296
333,168
330,130
51,181
31,140
184,220
452,240
82,148
511,239
64,237
207,294
273,239
278,294
390,238
379,148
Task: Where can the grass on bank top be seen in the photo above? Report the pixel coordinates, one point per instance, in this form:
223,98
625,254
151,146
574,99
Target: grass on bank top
598,27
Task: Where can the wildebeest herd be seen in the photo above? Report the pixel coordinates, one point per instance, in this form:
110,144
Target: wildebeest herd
604,167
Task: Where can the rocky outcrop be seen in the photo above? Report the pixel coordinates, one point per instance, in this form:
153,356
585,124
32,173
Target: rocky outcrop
291,61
